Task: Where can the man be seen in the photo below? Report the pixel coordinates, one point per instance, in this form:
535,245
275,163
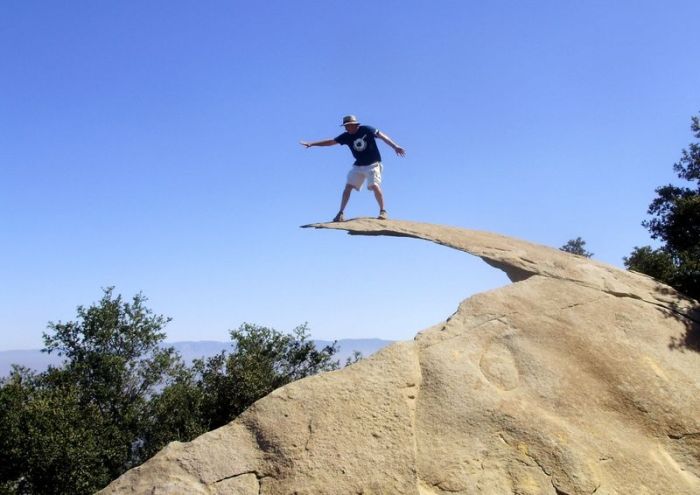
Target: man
368,161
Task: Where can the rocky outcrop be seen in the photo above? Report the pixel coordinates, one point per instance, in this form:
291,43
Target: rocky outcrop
578,378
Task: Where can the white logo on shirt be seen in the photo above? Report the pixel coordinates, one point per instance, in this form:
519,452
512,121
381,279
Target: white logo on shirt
360,144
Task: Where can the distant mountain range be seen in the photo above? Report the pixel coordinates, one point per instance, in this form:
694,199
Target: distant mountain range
39,361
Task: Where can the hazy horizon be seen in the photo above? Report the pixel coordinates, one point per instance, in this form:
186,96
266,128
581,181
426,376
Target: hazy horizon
37,360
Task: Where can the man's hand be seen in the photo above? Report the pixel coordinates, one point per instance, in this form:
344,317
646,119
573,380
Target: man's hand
398,149
305,144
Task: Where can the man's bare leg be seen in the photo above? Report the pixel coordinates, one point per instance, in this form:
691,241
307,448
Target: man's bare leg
378,195
343,203
346,197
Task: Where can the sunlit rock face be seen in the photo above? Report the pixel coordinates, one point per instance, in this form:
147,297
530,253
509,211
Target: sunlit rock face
578,378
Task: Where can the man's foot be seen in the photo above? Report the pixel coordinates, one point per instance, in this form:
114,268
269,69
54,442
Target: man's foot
383,215
339,217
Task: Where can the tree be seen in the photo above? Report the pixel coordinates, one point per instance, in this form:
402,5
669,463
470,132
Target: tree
120,396
216,390
176,414
46,445
74,428
576,246
676,223
115,358
264,359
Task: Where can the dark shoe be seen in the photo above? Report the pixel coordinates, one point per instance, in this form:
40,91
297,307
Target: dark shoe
339,217
382,215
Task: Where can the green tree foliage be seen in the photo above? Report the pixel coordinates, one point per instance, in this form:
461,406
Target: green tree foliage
74,428
676,223
46,443
576,246
656,263
216,390
120,396
114,356
262,360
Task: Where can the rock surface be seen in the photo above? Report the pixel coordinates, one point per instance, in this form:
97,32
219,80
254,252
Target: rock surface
578,378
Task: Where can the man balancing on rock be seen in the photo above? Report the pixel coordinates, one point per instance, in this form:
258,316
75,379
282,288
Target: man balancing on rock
368,161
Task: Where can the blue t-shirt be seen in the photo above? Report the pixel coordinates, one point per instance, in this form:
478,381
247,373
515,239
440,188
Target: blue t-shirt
362,144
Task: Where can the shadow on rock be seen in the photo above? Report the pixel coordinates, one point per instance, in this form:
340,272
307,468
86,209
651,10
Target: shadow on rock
691,339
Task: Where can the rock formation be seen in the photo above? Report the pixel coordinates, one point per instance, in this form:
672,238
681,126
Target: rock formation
578,378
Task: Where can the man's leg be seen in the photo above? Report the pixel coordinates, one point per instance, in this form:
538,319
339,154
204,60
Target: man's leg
343,203
378,195
346,197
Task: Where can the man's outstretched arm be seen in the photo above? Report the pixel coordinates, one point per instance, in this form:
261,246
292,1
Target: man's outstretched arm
325,142
398,149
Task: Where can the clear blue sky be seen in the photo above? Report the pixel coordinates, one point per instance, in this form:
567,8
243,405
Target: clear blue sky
153,146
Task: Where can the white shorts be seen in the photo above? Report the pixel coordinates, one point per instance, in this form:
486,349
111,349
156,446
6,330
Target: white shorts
359,173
